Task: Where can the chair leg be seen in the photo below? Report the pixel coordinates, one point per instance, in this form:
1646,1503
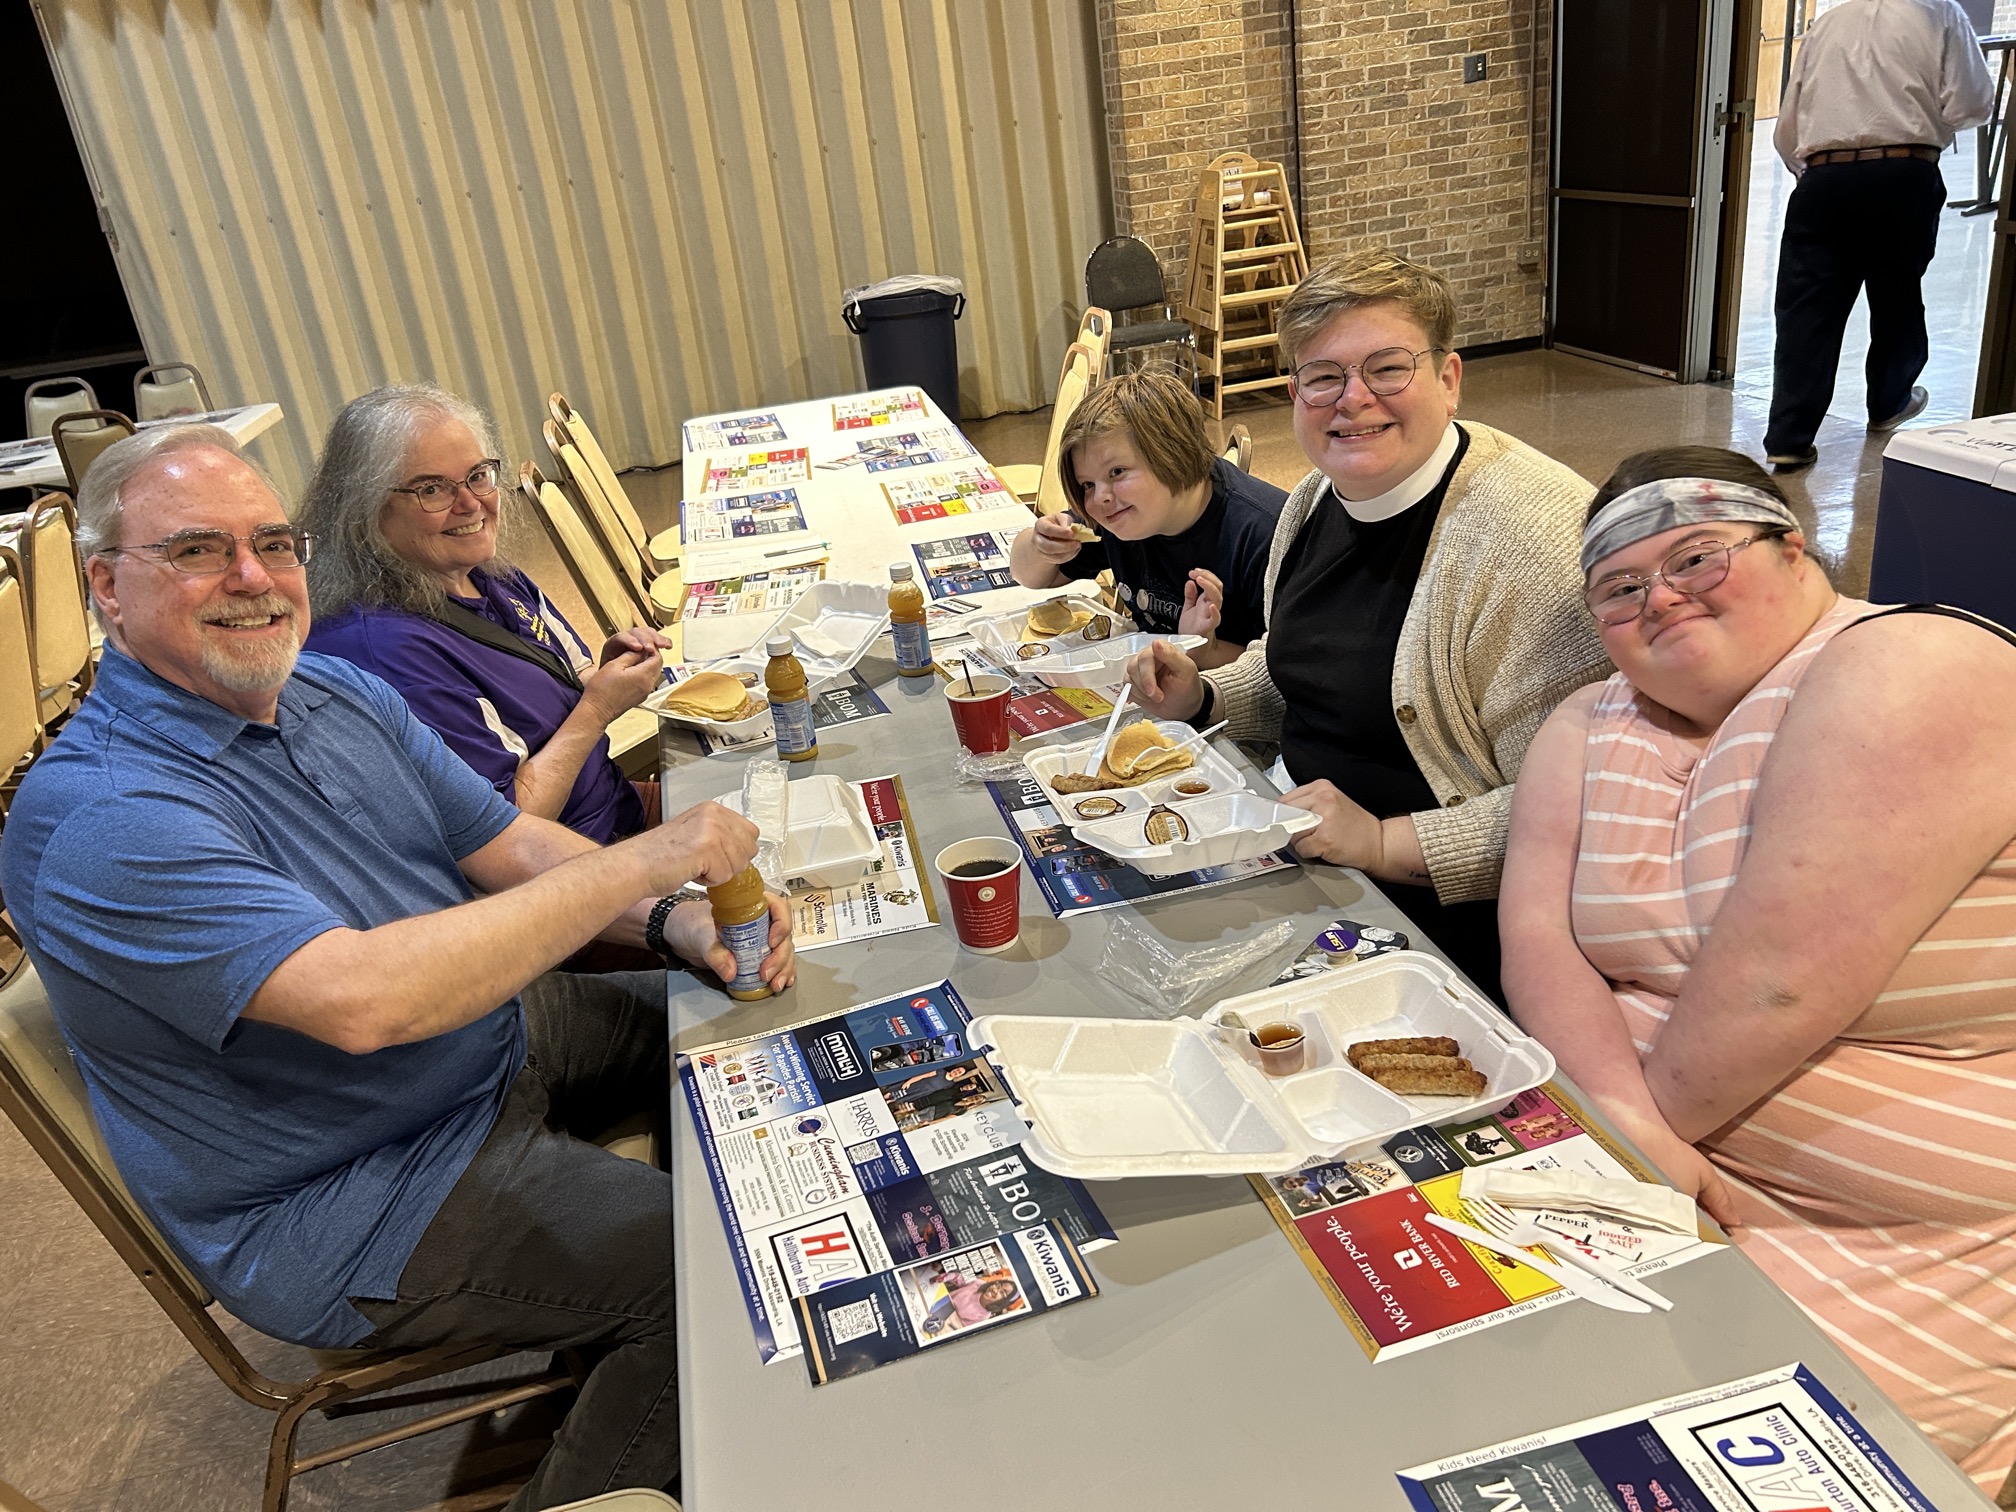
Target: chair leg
280,1449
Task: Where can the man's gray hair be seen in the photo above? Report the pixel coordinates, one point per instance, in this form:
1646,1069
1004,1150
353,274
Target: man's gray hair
363,460
101,500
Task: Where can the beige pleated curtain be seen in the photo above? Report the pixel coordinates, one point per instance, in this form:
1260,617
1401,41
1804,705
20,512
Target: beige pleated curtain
651,205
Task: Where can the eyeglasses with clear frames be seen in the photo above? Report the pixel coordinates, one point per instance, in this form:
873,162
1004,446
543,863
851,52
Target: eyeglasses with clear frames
205,553
1386,372
1694,568
437,494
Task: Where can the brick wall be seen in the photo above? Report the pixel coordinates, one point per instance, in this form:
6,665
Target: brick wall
1395,147
1185,80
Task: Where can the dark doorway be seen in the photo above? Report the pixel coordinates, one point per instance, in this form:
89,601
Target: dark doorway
1641,116
63,310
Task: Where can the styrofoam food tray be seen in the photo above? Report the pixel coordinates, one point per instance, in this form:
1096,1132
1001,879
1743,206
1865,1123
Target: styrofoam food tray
831,628
1000,634
829,839
1051,762
755,724
1107,1098
1223,829
1097,664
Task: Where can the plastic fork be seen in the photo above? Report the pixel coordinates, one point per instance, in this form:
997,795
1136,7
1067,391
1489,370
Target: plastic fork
1202,735
1524,1231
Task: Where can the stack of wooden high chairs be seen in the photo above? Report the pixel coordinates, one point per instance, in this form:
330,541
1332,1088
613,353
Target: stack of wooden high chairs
1246,256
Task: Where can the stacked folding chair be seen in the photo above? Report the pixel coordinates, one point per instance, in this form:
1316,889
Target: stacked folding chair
611,600
1036,483
648,564
1246,257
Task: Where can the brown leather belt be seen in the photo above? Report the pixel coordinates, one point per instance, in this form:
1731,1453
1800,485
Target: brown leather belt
1870,154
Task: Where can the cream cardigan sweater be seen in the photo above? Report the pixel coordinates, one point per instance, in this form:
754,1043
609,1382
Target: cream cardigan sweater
1495,636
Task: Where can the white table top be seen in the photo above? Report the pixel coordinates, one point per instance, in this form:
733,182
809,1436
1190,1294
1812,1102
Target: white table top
24,465
847,507
1211,1371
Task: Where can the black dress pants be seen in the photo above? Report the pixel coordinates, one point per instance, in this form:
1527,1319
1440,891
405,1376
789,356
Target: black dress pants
550,1242
1851,226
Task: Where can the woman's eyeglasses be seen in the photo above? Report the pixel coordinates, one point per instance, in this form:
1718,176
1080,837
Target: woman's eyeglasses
1694,568
436,494
1385,372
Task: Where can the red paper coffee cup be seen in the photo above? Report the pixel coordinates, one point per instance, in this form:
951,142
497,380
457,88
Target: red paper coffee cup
981,718
986,905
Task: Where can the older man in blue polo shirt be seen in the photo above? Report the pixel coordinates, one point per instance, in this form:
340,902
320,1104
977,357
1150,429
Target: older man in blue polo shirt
304,957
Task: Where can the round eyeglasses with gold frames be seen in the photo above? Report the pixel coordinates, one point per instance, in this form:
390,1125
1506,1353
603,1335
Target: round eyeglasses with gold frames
436,494
1386,372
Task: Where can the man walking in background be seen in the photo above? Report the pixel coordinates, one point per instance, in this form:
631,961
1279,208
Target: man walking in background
1878,91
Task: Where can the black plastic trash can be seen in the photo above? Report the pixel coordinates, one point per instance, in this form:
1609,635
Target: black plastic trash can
905,326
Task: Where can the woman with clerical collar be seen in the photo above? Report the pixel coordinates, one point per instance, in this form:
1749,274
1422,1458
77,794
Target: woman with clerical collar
407,581
1423,606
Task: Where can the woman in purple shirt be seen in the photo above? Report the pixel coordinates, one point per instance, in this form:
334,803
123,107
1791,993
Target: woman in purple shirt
407,582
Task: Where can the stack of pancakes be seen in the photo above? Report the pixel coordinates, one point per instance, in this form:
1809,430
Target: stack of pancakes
710,695
1057,616
1139,753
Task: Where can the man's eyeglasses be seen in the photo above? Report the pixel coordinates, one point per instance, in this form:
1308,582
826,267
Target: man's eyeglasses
1694,568
1385,372
436,494
205,553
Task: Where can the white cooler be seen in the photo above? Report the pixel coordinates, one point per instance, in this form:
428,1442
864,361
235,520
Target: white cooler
1946,519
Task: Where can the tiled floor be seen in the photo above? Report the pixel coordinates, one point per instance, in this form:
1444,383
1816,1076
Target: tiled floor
103,1405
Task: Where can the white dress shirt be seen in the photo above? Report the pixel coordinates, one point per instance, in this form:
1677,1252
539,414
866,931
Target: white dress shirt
1883,73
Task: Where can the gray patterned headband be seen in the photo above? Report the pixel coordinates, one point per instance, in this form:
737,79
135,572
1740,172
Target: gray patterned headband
1667,504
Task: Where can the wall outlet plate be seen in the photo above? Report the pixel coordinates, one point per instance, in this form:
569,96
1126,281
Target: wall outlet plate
1474,67
1531,254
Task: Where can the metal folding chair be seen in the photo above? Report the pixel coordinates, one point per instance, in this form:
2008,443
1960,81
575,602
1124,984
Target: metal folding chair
82,435
41,1091
1124,275
170,388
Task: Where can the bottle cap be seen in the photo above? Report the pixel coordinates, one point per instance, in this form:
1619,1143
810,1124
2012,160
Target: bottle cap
778,645
900,572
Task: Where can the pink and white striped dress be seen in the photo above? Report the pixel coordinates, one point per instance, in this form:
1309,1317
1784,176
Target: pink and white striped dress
1878,1181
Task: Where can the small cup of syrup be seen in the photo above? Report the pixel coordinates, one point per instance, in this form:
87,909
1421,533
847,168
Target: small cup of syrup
1282,1048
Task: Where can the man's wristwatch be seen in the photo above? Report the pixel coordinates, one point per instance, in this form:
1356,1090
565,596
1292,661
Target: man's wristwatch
654,930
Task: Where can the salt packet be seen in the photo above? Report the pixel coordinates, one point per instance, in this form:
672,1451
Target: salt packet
1644,1202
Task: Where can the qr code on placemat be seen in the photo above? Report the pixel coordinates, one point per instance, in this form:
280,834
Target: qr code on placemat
854,1321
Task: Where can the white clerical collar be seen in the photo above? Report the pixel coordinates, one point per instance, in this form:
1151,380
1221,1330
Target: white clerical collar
1412,490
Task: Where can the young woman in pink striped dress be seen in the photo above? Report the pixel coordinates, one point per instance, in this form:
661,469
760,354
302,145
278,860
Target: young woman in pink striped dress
1760,901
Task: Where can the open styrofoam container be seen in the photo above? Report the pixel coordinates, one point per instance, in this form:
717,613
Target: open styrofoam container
1207,766
829,839
1098,664
1223,829
1000,634
1107,1098
754,724
831,628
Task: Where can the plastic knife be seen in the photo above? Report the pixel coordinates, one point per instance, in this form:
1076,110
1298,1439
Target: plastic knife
1590,1288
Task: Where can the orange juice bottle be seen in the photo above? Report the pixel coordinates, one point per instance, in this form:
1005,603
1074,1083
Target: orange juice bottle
906,622
743,918
790,702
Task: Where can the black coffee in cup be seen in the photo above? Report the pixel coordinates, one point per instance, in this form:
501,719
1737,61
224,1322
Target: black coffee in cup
977,868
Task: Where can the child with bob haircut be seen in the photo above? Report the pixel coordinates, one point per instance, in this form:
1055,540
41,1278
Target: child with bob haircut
1185,532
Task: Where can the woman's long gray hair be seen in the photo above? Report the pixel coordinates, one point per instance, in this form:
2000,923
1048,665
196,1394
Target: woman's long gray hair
363,460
